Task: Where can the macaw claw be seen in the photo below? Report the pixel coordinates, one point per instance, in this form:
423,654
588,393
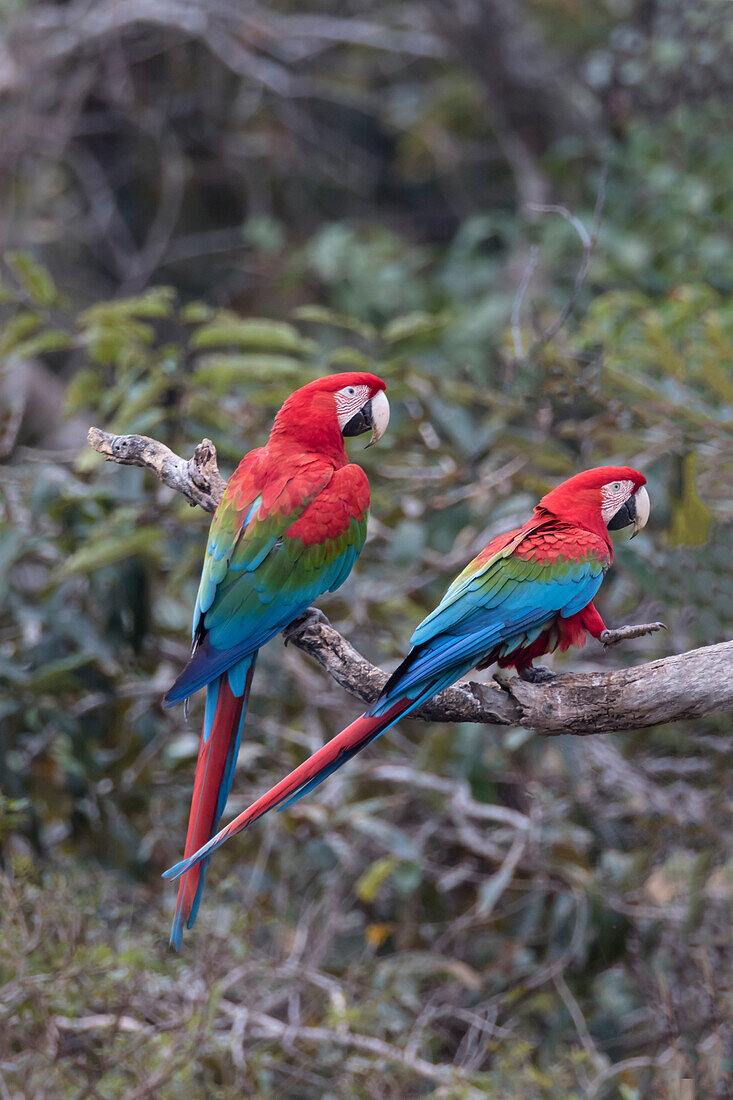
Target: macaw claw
536,674
626,633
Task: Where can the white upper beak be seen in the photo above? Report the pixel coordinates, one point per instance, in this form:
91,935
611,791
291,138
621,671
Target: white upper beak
380,416
643,508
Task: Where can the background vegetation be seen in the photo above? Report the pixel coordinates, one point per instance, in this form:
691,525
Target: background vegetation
204,206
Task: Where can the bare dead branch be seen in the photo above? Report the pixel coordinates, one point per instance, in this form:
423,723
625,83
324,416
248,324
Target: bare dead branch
59,35
198,479
686,685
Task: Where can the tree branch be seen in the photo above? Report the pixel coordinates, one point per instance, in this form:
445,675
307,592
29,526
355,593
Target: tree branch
198,479
687,685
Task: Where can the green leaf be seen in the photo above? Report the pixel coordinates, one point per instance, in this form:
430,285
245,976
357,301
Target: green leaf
367,886
156,302
33,277
228,329
110,341
58,674
84,390
16,329
221,372
50,340
142,422
319,315
141,399
348,359
107,551
196,312
414,324
407,877
690,515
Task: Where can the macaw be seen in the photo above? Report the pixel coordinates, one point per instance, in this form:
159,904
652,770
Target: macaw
289,527
527,593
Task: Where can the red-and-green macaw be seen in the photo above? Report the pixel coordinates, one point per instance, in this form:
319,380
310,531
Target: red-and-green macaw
529,592
289,527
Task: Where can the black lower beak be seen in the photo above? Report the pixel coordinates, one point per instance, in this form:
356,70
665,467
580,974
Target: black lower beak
361,422
625,516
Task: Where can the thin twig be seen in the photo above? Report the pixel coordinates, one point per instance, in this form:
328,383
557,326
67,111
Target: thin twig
588,243
642,1062
519,298
260,1025
579,1022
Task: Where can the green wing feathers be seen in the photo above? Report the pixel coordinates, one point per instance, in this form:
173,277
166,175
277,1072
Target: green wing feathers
276,544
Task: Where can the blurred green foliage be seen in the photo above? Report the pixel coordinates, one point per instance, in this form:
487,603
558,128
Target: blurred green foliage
463,911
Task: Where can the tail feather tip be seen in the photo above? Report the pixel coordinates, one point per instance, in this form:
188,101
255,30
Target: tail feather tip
175,871
176,938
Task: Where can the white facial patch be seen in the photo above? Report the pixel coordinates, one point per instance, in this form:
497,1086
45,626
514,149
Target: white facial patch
348,402
613,495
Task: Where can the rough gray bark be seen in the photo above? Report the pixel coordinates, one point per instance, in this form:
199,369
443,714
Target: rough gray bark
198,479
686,685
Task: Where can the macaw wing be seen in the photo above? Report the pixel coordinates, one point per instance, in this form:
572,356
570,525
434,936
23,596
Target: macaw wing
502,600
234,517
269,558
469,582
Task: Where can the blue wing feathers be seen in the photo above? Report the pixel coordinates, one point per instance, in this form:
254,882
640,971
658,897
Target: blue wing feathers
212,696
238,675
257,621
511,612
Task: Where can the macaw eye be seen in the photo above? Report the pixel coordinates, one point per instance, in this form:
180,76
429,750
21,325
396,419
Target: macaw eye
351,391
616,486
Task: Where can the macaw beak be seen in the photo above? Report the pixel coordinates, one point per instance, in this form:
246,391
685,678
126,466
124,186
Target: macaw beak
374,416
635,512
379,415
643,508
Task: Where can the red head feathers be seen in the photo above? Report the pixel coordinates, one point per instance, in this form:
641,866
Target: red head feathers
318,416
607,497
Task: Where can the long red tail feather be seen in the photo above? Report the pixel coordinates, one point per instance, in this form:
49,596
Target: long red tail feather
214,768
301,780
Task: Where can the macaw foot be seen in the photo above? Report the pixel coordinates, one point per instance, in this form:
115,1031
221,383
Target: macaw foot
536,674
625,633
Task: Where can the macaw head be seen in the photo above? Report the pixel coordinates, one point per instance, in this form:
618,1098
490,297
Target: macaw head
606,498
318,416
